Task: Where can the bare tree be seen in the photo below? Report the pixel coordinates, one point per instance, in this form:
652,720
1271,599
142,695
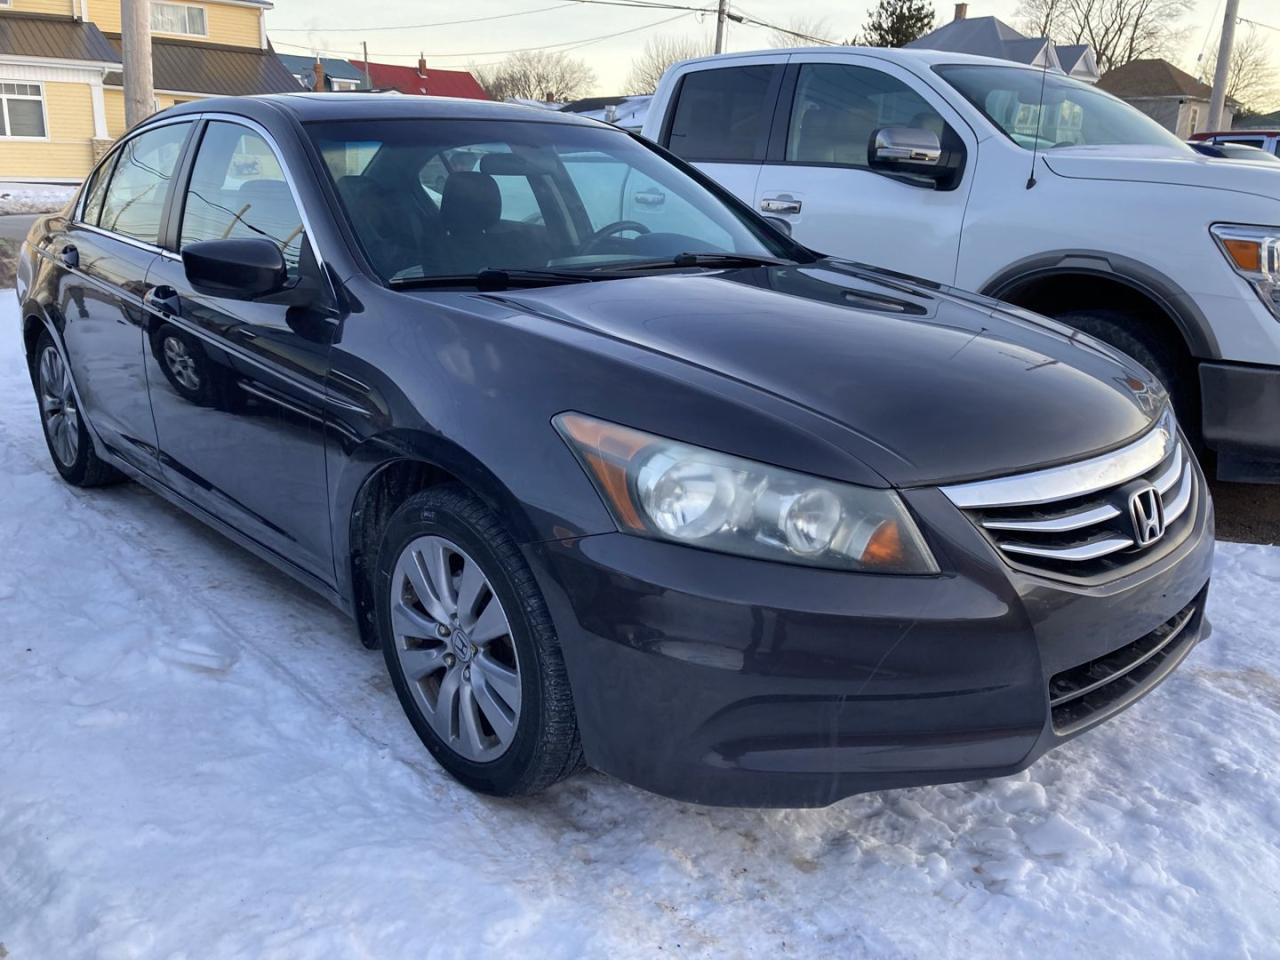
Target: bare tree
801,32
1251,78
537,75
659,53
1118,30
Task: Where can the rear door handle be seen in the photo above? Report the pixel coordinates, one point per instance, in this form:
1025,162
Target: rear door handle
163,300
779,205
69,256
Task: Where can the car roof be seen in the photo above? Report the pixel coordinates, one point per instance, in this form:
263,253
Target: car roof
926,58
308,107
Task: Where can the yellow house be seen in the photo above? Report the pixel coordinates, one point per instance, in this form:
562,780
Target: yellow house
61,87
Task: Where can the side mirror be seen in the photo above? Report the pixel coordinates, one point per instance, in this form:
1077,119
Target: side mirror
784,226
236,269
907,150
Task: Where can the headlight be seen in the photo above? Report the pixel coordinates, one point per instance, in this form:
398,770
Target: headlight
1254,253
673,491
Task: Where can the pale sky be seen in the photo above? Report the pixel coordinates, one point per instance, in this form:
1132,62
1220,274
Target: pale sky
337,27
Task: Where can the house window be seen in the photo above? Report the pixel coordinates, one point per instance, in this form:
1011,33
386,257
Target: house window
179,18
21,110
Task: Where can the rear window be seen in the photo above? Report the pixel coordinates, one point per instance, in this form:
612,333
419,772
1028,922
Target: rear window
724,114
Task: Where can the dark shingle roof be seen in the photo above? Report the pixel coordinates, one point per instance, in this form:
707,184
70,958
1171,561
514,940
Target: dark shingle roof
339,69
213,69
61,38
1152,78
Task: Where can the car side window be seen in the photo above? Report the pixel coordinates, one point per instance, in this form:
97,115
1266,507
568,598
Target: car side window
238,191
133,203
838,106
96,192
724,114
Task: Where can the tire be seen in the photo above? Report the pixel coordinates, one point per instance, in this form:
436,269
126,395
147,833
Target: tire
1163,359
467,666
65,433
182,360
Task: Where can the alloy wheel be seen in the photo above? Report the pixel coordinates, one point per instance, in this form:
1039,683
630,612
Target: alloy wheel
58,407
181,363
453,643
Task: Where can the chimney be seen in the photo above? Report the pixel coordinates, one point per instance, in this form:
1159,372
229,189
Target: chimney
422,65
317,84
962,11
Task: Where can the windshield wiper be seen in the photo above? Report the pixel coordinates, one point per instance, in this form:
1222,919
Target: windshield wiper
497,279
684,260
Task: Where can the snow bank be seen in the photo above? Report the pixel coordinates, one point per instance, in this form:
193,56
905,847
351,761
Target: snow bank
34,197
198,760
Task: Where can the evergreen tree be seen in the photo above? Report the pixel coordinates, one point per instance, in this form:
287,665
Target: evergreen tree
895,23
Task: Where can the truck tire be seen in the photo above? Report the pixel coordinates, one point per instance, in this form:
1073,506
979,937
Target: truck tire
1163,359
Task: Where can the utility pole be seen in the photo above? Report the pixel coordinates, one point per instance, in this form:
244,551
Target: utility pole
721,14
1222,70
139,84
368,77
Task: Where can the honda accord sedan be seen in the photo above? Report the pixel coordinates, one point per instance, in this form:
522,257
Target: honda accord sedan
613,472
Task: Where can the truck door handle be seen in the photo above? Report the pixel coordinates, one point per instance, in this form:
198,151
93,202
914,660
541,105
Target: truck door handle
779,205
163,300
651,198
69,256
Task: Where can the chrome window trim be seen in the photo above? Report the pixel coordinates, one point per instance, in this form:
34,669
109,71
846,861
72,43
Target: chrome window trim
1072,479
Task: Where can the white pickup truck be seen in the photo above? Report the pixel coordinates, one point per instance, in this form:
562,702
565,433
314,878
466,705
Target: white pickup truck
1016,183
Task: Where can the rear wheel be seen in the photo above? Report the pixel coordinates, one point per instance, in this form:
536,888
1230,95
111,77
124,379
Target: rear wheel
64,429
470,646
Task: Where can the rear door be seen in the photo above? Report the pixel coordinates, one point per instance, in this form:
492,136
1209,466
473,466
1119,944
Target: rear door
818,179
238,387
106,252
719,119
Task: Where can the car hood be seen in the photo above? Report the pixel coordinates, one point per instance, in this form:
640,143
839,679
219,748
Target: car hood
1165,165
931,384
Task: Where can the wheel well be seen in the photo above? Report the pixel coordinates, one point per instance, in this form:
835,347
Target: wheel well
378,498
1058,293
32,327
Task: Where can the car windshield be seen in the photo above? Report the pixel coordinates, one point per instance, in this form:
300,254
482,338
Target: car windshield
456,198
1044,110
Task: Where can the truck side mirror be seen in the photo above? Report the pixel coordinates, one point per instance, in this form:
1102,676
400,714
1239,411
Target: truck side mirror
905,150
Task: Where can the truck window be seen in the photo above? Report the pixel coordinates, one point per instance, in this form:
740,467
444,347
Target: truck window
724,114
837,107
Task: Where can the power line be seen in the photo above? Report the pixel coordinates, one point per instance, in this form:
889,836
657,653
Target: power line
563,45
1264,26
422,26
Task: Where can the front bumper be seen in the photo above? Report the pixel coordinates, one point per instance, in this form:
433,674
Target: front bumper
1240,422
716,679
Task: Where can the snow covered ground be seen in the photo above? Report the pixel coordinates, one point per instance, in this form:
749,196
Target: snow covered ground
198,760
34,197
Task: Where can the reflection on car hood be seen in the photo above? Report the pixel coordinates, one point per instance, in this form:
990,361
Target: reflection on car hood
1164,165
933,384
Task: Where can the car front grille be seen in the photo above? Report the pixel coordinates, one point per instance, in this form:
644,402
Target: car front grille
1079,521
1091,692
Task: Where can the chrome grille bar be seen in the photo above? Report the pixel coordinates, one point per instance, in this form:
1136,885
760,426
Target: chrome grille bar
1065,523
1093,550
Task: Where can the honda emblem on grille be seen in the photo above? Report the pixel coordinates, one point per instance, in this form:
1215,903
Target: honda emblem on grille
1146,510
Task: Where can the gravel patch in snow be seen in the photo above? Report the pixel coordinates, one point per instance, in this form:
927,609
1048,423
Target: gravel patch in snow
198,760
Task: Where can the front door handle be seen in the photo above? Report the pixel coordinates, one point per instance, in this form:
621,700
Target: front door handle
779,205
69,256
163,300
651,198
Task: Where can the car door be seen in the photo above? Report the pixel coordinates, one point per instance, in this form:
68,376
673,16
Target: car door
817,176
237,386
105,253
719,120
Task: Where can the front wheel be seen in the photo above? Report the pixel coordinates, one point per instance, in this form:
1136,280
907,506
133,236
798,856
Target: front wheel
470,646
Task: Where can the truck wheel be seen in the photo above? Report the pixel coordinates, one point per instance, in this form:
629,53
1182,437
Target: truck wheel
1160,357
471,647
